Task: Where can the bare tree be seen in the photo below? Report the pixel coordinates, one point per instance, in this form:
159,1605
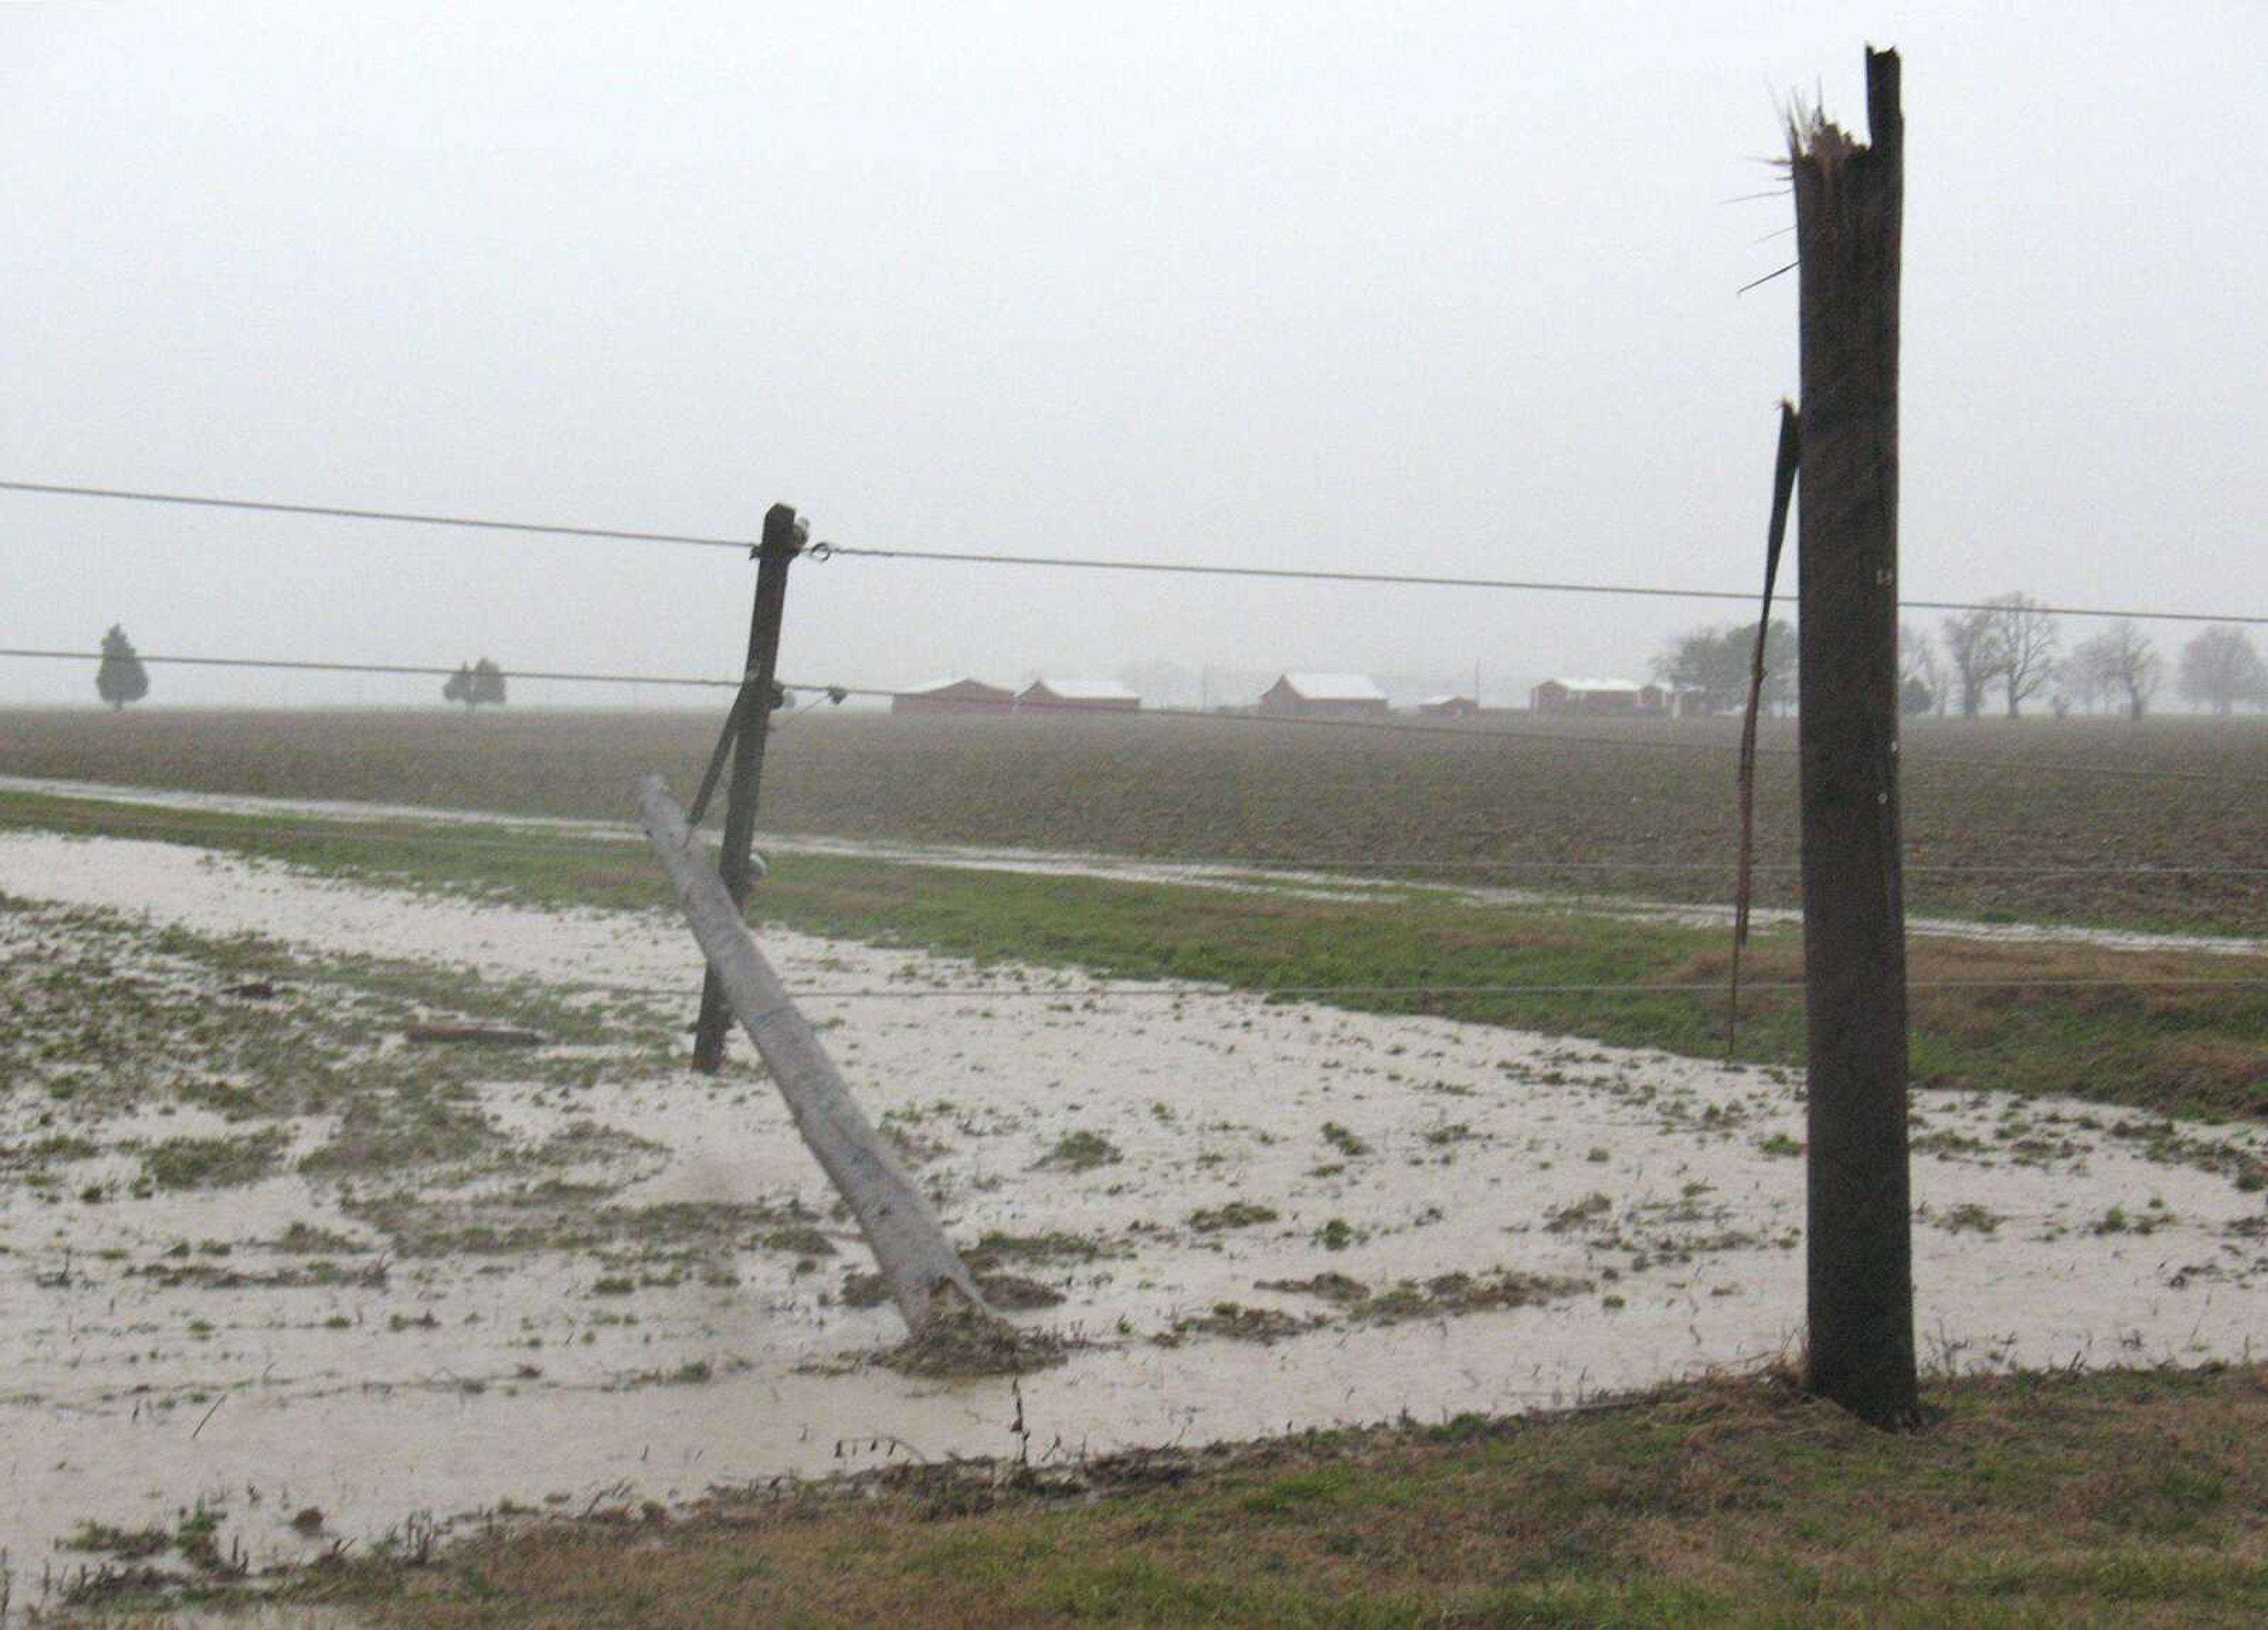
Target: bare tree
2119,663
1919,663
2085,678
1972,649
2221,668
2024,637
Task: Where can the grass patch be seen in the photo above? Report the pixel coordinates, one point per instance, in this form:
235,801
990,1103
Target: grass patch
2116,1499
1234,1215
2192,1050
1081,1151
215,1162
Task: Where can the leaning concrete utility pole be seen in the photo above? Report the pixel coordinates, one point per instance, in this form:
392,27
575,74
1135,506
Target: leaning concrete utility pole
1849,209
925,1273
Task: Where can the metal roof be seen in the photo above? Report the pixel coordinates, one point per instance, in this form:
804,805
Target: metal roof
1336,687
929,685
1088,690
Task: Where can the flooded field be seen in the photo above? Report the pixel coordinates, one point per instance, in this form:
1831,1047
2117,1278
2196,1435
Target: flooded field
278,1276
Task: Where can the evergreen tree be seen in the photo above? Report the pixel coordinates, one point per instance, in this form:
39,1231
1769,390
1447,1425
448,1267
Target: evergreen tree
474,684
121,678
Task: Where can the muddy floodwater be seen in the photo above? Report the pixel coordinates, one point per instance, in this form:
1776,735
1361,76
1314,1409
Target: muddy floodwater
278,1277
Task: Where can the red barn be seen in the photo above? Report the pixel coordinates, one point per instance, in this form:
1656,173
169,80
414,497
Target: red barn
954,696
1325,695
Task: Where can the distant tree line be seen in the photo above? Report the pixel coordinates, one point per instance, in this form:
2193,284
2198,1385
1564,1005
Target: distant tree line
2009,648
2007,652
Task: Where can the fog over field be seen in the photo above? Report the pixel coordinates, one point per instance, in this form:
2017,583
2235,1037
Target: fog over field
1450,290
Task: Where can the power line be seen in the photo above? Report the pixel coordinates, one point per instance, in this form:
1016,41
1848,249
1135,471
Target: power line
398,516
427,670
411,669
1064,562
1519,585
1475,735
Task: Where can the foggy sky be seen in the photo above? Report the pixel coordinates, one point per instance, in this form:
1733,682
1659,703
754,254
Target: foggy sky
1447,289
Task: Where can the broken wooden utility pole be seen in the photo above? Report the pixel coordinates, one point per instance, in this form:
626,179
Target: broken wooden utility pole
1849,204
925,1275
1784,468
745,730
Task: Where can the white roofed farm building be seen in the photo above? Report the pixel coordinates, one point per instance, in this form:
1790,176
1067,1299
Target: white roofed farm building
1325,695
954,696
1076,695
1449,707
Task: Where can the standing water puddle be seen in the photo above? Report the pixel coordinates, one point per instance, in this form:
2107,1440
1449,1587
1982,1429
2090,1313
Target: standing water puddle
264,1260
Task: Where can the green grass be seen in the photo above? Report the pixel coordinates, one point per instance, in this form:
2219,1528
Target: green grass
2167,1051
215,1162
2117,1498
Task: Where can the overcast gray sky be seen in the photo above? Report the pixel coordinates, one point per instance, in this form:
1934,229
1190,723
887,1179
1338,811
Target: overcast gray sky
1444,288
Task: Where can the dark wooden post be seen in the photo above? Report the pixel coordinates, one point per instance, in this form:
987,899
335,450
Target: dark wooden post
781,542
1849,204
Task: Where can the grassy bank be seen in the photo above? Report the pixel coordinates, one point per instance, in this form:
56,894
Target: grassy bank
2118,1499
2169,1049
2123,812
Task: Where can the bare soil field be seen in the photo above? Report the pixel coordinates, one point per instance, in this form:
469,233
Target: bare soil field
2162,824
279,1278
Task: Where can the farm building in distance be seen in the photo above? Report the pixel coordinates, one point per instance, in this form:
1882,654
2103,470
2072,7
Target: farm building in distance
1449,707
954,696
1325,695
1596,697
1087,695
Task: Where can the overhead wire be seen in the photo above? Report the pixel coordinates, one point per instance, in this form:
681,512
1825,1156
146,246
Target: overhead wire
475,523
1185,568
1483,734
416,670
